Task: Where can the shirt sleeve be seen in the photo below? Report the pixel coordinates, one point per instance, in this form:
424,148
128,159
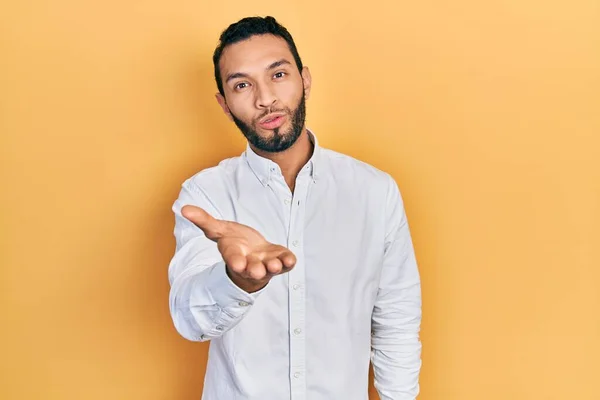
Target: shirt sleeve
203,301
396,319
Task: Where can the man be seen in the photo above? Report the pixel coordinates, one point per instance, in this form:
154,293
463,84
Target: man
295,261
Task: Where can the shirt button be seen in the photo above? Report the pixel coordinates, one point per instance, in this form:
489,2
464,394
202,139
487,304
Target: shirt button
296,286
295,243
297,375
287,202
243,304
219,327
297,331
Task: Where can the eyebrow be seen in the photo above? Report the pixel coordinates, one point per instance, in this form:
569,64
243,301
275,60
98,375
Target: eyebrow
279,63
274,65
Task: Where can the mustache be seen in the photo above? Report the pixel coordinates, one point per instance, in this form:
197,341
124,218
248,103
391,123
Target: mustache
270,111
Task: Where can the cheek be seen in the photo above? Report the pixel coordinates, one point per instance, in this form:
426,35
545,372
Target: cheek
288,92
242,109
290,95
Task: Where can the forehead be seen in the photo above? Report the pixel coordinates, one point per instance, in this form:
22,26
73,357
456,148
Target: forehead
253,54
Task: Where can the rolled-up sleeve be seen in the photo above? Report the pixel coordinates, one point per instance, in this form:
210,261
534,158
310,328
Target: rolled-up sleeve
396,319
203,301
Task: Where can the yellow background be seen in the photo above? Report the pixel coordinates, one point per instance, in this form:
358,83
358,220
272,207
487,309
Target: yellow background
486,113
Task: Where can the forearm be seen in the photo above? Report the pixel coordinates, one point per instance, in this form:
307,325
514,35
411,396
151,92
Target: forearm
205,303
396,367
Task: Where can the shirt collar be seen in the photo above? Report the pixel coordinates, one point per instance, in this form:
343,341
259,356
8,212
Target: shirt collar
264,168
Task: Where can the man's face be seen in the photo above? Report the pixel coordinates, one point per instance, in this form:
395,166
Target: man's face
264,91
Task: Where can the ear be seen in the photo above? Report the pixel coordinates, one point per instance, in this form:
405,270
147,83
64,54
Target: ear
223,103
307,80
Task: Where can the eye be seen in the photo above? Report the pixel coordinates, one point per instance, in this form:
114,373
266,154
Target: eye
240,86
279,75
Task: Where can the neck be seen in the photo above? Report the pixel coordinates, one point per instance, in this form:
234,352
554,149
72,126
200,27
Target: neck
292,160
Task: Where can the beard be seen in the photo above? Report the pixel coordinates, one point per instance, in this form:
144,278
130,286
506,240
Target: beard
280,140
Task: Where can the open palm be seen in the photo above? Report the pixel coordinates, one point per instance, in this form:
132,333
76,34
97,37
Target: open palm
250,258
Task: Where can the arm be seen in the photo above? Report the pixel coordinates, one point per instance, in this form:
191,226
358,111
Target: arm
204,302
396,320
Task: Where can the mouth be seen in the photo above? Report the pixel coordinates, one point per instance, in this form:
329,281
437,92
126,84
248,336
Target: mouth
272,121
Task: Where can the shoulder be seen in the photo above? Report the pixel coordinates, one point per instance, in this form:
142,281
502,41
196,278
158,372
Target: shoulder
345,167
215,177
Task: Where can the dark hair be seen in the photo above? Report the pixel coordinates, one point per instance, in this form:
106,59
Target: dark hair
246,28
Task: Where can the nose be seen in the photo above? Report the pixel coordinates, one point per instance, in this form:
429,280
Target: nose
265,97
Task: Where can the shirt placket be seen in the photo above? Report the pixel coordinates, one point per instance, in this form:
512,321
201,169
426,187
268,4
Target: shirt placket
296,291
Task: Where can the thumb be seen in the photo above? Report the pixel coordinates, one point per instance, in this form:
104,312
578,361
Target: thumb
212,228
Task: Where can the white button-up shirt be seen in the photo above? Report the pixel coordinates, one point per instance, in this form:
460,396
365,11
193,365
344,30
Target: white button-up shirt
354,295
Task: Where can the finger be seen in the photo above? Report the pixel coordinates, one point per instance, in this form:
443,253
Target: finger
236,262
256,269
212,228
274,266
288,259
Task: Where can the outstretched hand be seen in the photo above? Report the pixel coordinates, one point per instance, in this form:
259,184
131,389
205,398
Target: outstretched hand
251,261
